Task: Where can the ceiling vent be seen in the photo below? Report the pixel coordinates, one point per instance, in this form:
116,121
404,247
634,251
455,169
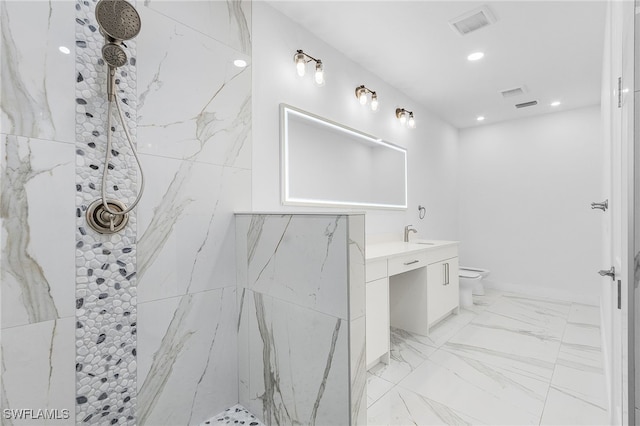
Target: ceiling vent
514,91
473,20
527,104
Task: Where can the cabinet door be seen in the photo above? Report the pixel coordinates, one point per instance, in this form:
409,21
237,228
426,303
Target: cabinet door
453,288
442,287
377,319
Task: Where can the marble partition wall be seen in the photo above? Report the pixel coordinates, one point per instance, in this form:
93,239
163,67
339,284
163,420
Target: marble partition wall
139,327
301,317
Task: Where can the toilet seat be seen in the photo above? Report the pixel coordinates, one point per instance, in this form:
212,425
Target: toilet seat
465,273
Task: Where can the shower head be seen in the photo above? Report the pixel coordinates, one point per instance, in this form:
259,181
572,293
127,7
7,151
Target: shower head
114,55
118,20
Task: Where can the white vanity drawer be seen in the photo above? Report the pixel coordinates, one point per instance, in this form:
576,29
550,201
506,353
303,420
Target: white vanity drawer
407,262
375,270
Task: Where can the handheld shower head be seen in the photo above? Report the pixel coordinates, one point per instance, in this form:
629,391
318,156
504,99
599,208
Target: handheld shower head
114,55
118,20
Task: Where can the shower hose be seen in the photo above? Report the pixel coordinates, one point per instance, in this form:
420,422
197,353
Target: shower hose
108,158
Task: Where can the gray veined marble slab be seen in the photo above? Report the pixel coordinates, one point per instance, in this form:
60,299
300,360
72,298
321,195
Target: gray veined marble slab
35,75
187,357
356,241
207,120
186,228
228,22
38,370
357,320
298,363
38,186
302,260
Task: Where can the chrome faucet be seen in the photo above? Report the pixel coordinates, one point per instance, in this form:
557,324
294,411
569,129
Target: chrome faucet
408,229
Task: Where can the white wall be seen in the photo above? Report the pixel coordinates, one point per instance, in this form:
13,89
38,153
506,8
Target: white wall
432,145
525,193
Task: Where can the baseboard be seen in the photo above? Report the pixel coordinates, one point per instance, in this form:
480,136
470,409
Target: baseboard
606,356
543,292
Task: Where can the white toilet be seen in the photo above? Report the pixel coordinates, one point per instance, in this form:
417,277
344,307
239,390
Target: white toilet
470,284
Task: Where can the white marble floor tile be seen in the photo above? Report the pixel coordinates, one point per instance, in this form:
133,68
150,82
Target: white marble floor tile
402,407
586,385
562,408
580,357
408,351
584,314
490,393
510,359
531,314
500,341
376,387
448,327
582,334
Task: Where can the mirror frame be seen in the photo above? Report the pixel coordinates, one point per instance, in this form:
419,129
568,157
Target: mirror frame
285,111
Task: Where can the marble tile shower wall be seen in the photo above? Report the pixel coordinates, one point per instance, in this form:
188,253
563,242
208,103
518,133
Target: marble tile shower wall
301,306
164,349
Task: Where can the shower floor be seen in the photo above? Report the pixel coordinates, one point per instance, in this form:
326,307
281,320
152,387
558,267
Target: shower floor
236,415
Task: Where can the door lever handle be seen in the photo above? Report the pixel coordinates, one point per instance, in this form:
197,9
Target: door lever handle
602,206
608,272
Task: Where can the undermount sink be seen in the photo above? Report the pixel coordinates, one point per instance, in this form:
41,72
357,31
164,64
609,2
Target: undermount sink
426,244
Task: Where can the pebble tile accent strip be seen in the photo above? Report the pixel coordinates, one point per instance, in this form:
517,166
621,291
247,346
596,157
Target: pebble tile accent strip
105,264
236,415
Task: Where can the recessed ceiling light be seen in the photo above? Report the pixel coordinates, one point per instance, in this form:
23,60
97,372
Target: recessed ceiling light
475,56
555,103
64,49
240,63
480,118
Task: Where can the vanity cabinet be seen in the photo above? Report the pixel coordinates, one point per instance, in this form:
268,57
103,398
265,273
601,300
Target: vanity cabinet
411,286
377,313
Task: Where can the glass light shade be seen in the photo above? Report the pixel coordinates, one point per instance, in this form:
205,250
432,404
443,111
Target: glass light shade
374,102
412,122
301,63
403,117
362,97
319,76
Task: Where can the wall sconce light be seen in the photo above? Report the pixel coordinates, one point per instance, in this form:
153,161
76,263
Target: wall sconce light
301,59
361,94
406,118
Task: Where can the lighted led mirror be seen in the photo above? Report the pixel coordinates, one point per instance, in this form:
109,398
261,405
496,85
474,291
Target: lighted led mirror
326,163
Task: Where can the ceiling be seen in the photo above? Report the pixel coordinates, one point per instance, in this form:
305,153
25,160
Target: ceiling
553,48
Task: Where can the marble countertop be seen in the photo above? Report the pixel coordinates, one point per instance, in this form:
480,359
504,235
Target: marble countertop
399,248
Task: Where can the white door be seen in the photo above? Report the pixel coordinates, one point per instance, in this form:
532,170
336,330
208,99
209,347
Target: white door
617,108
